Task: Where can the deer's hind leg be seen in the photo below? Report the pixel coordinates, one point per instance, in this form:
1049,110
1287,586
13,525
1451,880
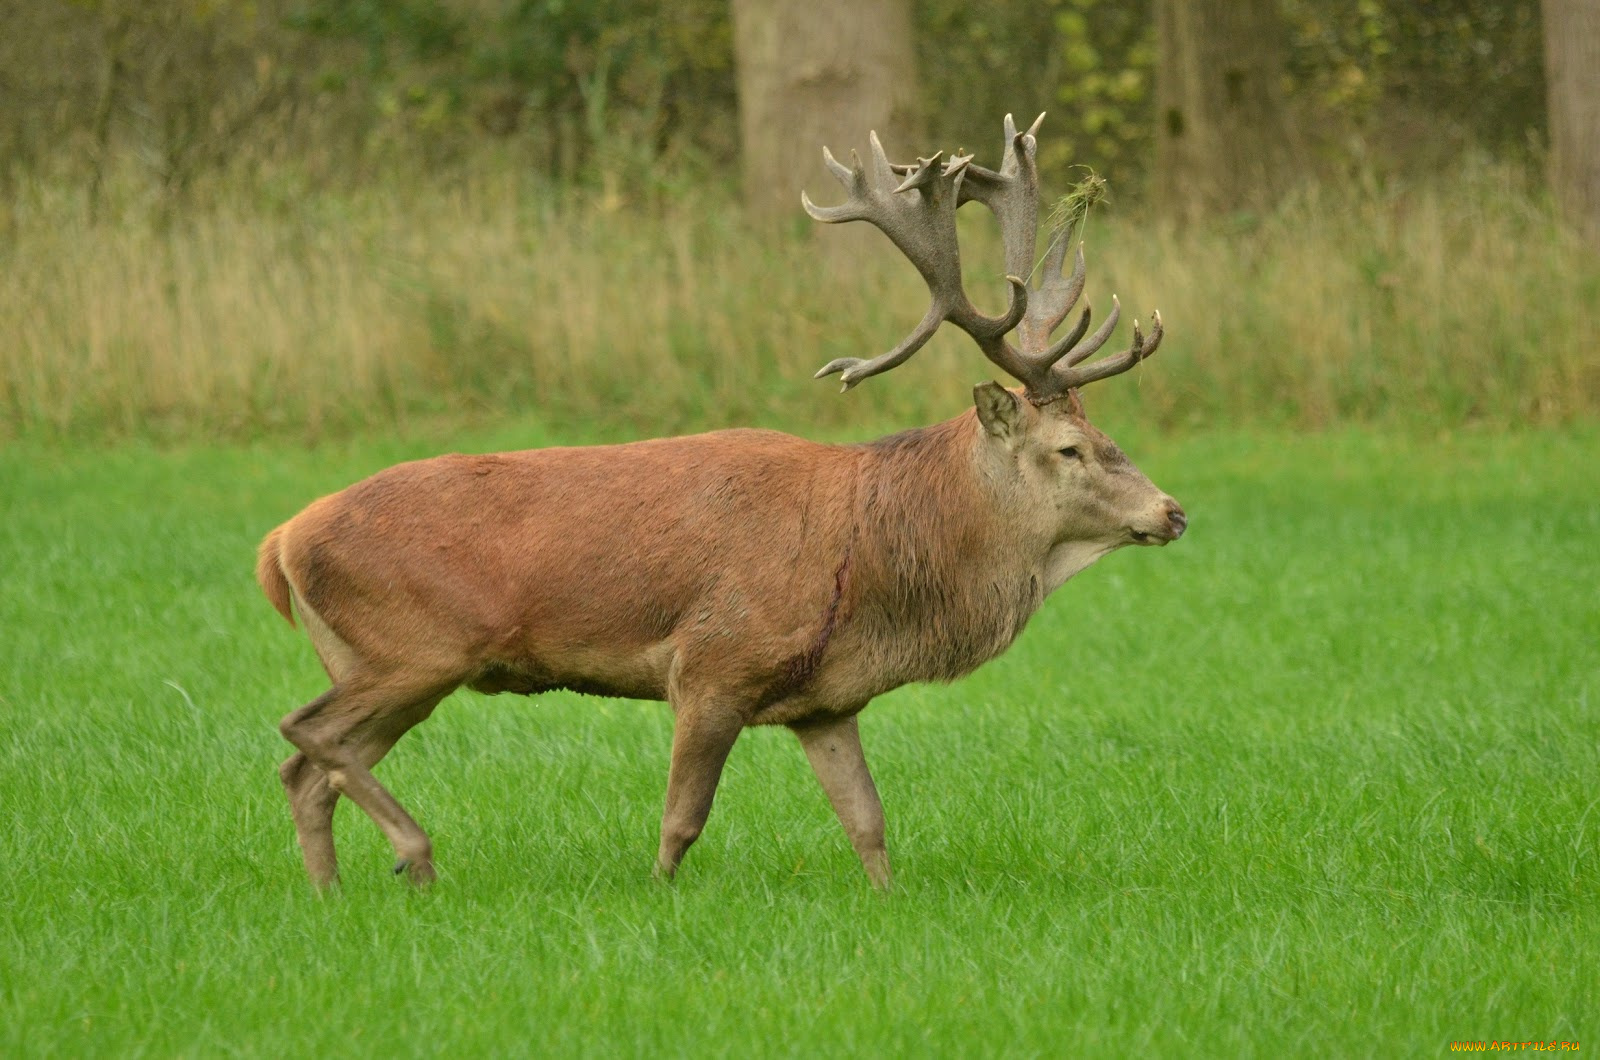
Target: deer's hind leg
341,735
311,801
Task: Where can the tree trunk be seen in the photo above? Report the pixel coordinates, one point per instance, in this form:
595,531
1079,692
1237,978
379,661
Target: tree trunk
815,73
1223,139
1572,84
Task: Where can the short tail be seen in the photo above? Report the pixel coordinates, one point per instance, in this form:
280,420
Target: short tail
269,572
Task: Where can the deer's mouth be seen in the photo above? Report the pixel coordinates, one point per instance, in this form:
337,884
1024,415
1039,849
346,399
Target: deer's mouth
1170,530
1164,536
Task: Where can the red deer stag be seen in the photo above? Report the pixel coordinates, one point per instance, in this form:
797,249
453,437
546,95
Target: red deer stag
745,577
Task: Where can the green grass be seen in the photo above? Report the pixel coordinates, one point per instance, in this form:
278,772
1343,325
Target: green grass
1321,778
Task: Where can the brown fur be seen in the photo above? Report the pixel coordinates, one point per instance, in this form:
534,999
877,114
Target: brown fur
269,572
748,577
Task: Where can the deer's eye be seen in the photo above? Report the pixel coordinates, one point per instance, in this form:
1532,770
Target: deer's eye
1071,453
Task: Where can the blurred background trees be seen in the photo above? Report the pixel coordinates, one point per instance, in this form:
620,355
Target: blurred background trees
821,72
1195,107
1572,64
1223,134
1205,96
262,214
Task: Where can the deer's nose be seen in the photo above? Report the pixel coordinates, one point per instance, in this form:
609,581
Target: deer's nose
1176,519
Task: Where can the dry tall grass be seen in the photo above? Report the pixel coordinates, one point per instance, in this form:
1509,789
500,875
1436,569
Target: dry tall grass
308,314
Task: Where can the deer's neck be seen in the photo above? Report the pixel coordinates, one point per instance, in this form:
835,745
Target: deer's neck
941,578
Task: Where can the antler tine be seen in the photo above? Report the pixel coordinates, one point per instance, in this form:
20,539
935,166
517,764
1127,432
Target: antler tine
855,369
1012,195
882,169
918,215
1052,297
853,179
1061,293
927,170
1092,344
1059,348
1008,149
1066,379
915,206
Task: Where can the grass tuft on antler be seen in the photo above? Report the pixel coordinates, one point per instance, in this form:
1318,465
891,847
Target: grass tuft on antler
1071,210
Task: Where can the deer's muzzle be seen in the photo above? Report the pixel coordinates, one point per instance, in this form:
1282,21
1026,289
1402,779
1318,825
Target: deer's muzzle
1171,527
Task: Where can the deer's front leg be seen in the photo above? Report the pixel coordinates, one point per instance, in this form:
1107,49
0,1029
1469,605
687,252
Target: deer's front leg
834,749
702,736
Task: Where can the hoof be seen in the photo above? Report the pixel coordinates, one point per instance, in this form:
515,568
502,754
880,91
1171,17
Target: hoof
419,873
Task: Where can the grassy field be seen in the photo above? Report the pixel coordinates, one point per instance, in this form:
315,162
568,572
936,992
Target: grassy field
1320,779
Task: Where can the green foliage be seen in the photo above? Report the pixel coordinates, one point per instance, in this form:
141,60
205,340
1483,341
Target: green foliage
1418,81
1088,63
619,94
415,30
1377,85
1106,89
599,86
1316,780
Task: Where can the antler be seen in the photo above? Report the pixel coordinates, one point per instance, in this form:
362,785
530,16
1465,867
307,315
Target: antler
918,215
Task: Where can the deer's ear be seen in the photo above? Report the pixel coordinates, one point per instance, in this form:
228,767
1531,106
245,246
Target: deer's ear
999,410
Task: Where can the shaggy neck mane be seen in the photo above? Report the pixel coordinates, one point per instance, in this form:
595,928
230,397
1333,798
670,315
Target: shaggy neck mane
935,569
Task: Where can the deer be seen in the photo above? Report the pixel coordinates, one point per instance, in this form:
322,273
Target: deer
745,577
